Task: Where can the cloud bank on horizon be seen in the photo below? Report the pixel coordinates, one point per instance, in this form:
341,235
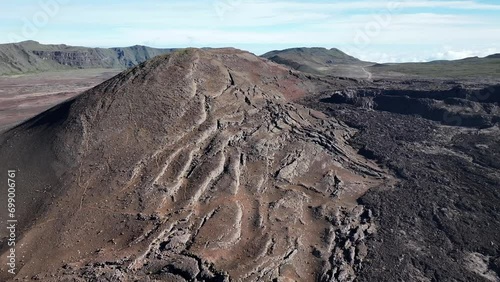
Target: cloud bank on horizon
373,30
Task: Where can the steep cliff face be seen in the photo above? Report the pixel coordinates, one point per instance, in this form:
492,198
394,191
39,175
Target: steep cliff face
30,56
132,56
81,58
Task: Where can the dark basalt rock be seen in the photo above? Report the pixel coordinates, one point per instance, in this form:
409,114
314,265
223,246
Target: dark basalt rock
440,221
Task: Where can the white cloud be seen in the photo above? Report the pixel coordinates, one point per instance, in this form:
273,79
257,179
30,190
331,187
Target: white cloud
424,54
451,54
372,5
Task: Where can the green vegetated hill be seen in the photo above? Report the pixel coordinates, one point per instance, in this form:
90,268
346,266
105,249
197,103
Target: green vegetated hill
494,56
313,60
31,56
466,68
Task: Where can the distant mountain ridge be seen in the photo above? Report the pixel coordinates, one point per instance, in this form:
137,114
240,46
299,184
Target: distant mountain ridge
334,62
31,56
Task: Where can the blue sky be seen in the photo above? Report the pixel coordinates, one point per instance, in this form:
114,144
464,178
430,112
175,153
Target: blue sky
375,30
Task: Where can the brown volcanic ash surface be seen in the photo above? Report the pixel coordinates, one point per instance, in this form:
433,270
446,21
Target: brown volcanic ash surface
24,96
195,166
